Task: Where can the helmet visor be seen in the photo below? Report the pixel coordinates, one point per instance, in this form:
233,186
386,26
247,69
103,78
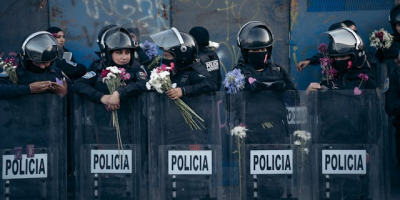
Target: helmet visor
168,38
343,41
42,48
119,40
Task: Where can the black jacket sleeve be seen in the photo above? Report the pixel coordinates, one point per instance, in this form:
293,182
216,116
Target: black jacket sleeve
143,58
315,59
392,100
9,90
71,69
85,88
199,84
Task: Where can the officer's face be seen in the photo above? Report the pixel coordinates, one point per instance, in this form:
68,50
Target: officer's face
60,38
42,65
122,56
257,50
168,56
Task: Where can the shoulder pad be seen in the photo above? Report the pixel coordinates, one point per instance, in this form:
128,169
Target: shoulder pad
71,63
89,75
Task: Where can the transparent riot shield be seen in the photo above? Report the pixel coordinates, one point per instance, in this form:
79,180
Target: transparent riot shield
184,163
266,162
103,170
33,147
348,144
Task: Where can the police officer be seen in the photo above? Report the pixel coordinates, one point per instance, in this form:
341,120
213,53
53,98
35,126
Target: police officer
117,49
37,69
207,55
392,100
69,66
352,124
264,105
192,79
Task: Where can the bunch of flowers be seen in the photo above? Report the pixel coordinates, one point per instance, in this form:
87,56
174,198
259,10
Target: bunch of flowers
302,139
239,132
364,78
151,50
114,78
9,67
234,81
380,39
327,69
160,81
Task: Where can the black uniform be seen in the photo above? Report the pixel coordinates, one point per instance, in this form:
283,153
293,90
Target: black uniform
71,68
211,60
93,88
26,77
392,105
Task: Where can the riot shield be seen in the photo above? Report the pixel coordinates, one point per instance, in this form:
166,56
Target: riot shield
266,162
104,171
33,147
348,144
184,163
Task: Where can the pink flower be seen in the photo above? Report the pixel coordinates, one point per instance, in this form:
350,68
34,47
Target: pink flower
322,48
104,73
332,72
54,35
242,125
172,66
349,64
126,76
251,80
357,91
163,67
364,77
379,35
325,61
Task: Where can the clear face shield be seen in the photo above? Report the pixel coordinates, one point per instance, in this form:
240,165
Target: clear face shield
119,40
41,47
341,42
168,38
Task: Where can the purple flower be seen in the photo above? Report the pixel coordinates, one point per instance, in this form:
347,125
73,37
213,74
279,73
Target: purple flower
325,61
364,77
59,81
322,48
234,81
150,49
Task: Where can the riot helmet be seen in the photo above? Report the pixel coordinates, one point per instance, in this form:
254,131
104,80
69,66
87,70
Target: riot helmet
345,41
101,32
115,38
394,18
40,47
254,35
181,45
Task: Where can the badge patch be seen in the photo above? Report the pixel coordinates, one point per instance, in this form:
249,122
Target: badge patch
142,75
89,75
386,85
71,63
212,65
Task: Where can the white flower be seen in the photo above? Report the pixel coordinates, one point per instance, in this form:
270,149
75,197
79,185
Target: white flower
148,85
114,70
297,142
239,131
306,136
173,85
306,150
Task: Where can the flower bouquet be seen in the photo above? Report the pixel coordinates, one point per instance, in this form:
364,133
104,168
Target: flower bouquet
9,67
234,81
161,82
327,69
114,78
151,50
380,39
364,78
239,132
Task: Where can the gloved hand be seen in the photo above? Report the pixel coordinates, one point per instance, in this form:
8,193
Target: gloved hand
278,86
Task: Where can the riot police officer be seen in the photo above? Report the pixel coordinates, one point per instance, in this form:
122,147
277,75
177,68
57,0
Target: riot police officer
37,69
207,55
140,55
117,49
264,111
353,124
